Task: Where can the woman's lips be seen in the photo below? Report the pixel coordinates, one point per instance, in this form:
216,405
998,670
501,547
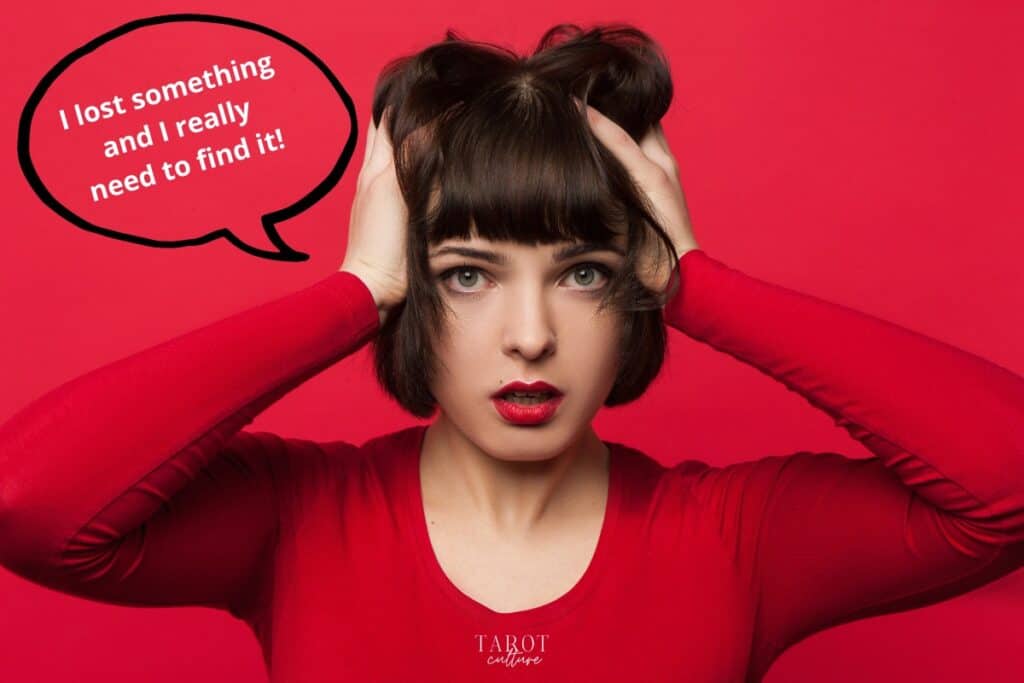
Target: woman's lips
527,414
535,386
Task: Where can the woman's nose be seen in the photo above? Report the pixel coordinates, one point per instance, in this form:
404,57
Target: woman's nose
529,328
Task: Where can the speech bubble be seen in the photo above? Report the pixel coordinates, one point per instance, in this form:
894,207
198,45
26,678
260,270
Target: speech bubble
177,130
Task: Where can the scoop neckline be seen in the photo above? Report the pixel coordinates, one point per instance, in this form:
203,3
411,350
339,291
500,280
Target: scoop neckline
553,609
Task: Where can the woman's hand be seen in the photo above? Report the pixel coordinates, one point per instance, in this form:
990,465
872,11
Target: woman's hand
655,170
378,224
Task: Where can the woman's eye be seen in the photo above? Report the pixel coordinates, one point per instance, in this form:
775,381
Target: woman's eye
585,274
463,277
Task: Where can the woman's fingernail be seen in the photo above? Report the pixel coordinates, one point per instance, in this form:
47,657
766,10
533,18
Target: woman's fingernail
577,102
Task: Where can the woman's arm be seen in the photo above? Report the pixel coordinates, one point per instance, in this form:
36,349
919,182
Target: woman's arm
828,539
823,538
132,484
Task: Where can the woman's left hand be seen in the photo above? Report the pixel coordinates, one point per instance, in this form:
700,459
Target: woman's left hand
655,170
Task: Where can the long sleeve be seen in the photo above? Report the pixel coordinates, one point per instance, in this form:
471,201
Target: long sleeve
132,483
937,511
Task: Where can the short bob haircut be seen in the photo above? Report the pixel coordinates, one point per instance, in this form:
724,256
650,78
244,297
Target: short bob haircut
488,143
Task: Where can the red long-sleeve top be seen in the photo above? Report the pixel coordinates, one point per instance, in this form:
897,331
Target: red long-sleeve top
135,484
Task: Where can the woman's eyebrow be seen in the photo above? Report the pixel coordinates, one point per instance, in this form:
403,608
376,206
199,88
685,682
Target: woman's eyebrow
483,255
563,254
574,250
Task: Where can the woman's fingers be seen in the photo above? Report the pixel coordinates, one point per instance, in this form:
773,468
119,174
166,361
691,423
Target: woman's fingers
654,168
370,132
669,158
622,145
380,153
661,137
382,129
641,159
657,151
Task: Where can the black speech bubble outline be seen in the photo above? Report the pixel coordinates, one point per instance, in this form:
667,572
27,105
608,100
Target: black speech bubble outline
268,220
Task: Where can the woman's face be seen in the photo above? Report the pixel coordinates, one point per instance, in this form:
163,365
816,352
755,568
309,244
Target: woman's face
520,312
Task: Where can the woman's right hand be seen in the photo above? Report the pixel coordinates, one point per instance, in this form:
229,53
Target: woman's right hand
378,223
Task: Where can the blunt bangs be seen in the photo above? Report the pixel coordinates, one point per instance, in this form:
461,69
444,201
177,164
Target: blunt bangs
525,172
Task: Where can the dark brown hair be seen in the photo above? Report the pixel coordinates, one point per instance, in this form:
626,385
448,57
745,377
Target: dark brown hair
489,143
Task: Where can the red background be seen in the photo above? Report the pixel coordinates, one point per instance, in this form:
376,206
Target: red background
862,152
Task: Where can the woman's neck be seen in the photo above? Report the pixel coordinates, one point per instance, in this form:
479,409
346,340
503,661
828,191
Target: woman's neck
513,498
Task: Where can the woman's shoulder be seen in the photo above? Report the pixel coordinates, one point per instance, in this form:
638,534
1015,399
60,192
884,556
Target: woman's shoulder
401,439
698,480
386,457
295,459
639,463
646,479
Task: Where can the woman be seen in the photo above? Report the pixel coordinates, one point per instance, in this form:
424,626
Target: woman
502,233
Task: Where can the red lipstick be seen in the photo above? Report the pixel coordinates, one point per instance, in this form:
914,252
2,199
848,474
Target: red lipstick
535,386
508,401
